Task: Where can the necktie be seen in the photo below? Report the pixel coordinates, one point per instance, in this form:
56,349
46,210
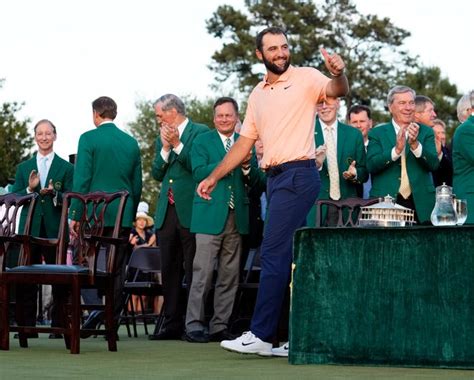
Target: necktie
405,189
43,170
331,158
170,196
231,199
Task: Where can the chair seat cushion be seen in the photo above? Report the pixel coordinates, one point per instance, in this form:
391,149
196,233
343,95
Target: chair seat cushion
49,268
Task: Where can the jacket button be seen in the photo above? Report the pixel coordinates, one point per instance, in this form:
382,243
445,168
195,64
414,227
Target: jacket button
170,181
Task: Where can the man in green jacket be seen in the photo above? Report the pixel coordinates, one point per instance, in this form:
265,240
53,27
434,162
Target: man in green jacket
349,159
172,167
463,155
108,159
218,224
48,175
400,156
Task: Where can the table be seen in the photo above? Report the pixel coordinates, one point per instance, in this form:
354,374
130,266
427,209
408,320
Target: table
391,296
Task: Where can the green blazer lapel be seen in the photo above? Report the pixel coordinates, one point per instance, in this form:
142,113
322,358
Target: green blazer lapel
53,170
217,142
390,133
318,134
319,137
341,141
184,138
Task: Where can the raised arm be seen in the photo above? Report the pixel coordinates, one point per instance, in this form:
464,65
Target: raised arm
339,85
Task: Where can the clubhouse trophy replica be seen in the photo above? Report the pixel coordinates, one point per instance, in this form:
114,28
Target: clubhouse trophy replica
386,214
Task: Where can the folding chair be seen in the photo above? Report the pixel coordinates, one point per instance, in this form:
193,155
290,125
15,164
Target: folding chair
143,280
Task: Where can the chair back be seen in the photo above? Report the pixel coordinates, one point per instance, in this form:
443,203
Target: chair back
11,206
348,210
91,209
145,259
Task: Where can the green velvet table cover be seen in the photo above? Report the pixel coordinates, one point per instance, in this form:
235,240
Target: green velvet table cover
392,296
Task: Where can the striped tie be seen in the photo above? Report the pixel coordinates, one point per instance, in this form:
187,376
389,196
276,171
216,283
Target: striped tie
228,144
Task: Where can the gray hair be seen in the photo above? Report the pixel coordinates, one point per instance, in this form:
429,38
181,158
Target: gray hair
464,104
421,101
398,90
170,101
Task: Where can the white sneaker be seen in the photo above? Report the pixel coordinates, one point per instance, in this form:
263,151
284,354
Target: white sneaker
248,343
282,350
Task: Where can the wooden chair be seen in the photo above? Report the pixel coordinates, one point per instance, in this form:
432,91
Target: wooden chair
348,210
143,280
69,279
11,205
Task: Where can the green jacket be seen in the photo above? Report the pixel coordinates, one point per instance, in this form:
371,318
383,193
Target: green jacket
177,174
210,216
463,162
386,174
350,147
48,208
108,159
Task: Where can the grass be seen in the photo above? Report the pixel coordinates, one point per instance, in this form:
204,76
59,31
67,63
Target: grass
139,358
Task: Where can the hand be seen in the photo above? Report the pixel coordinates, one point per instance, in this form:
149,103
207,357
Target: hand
172,135
33,180
49,189
74,228
413,130
320,153
205,188
164,137
334,63
401,141
133,240
351,171
246,161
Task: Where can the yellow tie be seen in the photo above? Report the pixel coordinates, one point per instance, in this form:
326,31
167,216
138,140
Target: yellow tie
331,158
405,189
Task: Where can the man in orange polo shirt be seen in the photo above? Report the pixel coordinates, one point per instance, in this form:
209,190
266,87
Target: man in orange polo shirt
281,112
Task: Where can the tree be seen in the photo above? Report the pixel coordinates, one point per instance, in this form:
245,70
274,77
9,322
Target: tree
429,82
371,46
145,129
15,141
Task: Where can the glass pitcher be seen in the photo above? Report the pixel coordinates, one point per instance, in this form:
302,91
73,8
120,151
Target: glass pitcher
443,213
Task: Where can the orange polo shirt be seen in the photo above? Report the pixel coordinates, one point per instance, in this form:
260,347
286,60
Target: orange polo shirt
282,115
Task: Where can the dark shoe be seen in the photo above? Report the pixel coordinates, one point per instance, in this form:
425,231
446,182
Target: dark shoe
95,317
55,336
197,336
28,336
222,335
166,334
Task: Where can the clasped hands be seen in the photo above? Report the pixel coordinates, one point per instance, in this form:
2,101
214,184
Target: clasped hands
169,136
407,134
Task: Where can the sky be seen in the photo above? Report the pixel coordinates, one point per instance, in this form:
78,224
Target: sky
58,56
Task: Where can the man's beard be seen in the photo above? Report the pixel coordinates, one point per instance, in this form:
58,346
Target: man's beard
274,68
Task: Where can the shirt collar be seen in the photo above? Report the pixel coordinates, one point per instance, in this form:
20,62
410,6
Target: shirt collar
182,126
224,138
39,156
282,78
324,125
